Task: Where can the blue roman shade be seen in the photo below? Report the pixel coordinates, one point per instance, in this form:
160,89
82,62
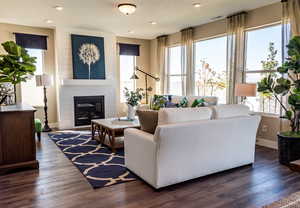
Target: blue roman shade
31,41
129,49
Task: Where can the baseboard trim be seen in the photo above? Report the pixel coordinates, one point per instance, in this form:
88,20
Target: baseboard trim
53,125
266,143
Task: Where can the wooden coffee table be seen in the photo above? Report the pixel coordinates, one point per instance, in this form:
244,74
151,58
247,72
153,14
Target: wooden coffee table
111,128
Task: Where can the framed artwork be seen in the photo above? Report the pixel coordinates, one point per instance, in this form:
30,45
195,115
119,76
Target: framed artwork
88,57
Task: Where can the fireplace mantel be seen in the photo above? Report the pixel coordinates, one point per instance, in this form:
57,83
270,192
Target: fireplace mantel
86,82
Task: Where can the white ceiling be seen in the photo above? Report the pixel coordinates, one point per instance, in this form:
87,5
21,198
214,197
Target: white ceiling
170,15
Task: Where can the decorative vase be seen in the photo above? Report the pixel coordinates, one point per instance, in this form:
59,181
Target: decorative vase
7,94
131,112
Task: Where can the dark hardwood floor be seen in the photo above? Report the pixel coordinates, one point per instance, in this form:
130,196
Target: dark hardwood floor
59,184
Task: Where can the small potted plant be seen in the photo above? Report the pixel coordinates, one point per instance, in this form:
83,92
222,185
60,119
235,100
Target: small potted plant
15,67
133,99
288,84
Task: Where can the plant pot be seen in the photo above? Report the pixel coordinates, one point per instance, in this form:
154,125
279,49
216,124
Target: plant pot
7,94
131,112
288,147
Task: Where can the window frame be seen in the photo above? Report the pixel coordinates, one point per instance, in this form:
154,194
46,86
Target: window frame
245,71
168,75
43,71
134,81
222,35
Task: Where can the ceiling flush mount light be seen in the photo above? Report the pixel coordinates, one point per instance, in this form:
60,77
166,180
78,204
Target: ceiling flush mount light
58,8
127,8
131,31
49,21
197,5
153,23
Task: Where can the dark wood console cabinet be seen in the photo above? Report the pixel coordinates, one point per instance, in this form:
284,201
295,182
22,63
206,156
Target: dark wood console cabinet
17,138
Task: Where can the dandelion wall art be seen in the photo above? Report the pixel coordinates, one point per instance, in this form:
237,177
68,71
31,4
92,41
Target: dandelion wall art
88,57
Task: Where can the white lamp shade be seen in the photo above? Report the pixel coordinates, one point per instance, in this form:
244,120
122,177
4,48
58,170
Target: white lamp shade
44,80
245,90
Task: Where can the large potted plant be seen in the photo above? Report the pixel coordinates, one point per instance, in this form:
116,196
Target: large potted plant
15,67
133,99
288,84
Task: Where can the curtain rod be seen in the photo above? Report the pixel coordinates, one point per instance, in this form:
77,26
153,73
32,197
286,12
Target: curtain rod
162,36
189,28
129,43
30,34
236,14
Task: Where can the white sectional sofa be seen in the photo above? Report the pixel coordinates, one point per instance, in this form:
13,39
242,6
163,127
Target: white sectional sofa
192,142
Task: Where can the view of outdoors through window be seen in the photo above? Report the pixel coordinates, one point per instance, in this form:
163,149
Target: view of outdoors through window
30,93
263,54
174,73
127,64
210,68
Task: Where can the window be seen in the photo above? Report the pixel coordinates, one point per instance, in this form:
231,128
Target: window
175,76
263,56
30,93
210,68
127,65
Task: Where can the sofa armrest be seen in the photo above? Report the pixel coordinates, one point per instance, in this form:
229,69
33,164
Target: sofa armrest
140,154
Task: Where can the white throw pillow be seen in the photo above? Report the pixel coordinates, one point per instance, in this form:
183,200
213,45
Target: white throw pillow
177,115
230,110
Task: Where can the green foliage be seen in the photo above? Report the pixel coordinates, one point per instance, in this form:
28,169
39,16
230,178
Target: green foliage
198,103
271,63
159,101
133,98
16,66
288,84
209,79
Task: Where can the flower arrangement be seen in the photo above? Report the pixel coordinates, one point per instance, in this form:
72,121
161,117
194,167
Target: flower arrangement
133,98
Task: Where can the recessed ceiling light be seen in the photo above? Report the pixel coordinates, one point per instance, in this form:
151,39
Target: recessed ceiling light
49,21
59,8
197,5
153,23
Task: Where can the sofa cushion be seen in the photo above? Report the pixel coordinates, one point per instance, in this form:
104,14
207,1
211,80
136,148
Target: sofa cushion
177,115
230,110
148,120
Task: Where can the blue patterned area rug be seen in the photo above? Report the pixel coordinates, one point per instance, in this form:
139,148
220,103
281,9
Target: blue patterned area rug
96,162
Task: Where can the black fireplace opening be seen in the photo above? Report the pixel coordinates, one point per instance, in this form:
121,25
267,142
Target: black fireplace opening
87,108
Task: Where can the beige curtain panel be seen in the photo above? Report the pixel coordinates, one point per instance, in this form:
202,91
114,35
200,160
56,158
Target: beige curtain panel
291,13
187,64
161,61
235,53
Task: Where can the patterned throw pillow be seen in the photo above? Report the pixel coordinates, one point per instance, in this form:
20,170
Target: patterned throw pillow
184,103
198,103
159,101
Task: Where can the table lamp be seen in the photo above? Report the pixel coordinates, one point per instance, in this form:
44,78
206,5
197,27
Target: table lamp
45,81
245,90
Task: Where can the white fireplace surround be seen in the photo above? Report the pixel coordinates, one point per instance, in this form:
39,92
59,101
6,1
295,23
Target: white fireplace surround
71,88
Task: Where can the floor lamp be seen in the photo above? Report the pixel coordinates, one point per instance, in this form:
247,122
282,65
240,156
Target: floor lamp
148,89
45,81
